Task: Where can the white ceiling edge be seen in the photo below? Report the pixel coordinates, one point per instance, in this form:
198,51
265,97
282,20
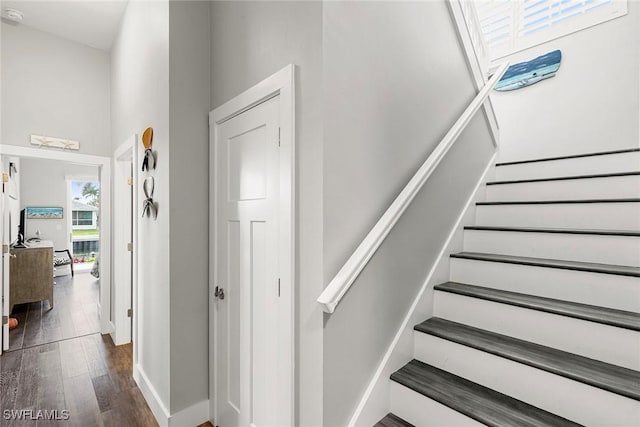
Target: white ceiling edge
94,23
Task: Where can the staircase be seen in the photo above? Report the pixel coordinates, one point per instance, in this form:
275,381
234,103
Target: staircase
539,324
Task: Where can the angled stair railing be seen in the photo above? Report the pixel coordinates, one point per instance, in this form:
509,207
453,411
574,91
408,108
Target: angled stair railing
343,280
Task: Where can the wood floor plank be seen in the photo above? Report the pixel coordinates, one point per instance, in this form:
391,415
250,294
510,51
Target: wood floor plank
73,359
50,386
81,401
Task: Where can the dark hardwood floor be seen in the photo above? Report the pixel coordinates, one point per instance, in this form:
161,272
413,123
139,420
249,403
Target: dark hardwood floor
75,313
59,361
87,376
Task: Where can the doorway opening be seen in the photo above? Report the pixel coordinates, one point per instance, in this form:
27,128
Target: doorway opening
41,288
85,225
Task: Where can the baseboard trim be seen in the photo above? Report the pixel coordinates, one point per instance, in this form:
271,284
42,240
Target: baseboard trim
151,396
374,403
194,415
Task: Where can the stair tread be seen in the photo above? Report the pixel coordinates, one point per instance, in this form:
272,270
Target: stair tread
623,270
616,379
607,316
473,400
573,156
556,202
392,420
555,230
564,178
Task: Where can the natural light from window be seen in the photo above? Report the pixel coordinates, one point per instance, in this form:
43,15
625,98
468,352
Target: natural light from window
509,26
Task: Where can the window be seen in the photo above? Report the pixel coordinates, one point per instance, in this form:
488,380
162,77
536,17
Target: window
509,26
82,218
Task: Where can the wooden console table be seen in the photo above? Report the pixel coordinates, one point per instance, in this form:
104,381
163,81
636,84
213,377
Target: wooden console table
31,274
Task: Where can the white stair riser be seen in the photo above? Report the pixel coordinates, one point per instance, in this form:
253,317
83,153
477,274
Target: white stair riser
604,290
573,189
595,216
609,344
612,163
617,250
421,411
556,394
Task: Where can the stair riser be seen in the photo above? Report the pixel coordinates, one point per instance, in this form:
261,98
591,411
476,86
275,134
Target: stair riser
604,290
594,216
609,344
611,163
422,411
620,250
574,189
556,394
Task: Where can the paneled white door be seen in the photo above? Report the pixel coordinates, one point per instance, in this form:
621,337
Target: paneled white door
247,297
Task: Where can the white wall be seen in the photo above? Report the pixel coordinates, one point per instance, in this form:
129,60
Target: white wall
53,87
395,80
140,98
160,78
43,183
190,76
251,41
592,103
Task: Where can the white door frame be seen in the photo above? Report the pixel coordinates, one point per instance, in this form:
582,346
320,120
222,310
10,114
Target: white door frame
280,84
125,266
104,168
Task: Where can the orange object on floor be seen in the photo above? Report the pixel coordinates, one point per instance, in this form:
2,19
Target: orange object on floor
13,323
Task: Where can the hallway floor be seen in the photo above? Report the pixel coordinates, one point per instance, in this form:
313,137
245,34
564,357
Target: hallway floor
74,313
87,376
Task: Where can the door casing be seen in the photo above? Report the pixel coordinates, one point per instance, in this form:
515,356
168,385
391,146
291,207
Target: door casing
279,84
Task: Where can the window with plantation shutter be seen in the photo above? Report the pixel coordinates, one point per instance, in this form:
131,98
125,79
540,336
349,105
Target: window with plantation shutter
512,25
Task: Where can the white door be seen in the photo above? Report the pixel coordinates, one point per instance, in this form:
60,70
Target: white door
6,241
247,388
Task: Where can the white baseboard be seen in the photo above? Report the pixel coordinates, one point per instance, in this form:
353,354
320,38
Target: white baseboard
374,403
151,396
192,416
189,417
106,326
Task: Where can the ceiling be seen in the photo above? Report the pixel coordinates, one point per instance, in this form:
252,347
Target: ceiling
91,22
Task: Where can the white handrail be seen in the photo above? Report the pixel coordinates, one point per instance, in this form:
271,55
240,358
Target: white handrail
336,289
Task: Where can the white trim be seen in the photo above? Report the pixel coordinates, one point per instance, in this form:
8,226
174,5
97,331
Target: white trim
475,65
104,175
343,280
125,279
151,396
281,83
371,407
194,415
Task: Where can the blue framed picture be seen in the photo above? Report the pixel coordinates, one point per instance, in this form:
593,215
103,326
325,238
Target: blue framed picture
43,213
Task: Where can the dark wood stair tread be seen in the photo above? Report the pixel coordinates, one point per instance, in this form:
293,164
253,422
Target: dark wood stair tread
607,316
473,400
616,379
565,178
574,156
592,267
557,202
392,420
556,230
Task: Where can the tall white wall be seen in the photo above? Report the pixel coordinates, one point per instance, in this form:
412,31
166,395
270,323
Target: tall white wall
43,183
189,75
592,103
160,78
395,81
140,98
53,87
249,42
